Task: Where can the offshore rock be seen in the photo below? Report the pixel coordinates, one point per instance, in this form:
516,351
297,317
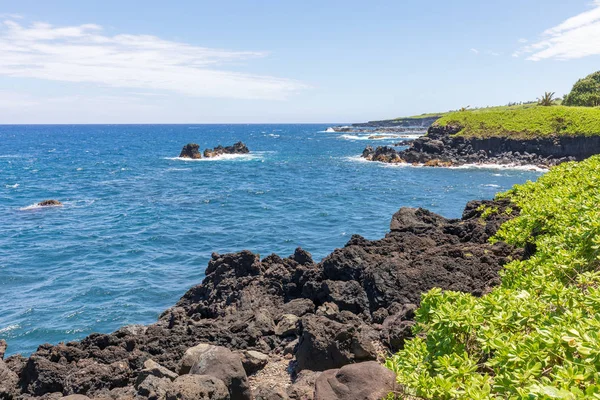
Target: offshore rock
190,150
237,148
50,203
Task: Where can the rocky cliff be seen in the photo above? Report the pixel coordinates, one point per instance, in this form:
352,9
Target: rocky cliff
442,147
284,328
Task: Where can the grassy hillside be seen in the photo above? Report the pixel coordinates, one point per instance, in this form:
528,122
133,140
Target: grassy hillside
525,121
537,335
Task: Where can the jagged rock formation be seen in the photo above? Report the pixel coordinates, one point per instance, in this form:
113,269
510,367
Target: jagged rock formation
441,147
190,150
237,148
314,316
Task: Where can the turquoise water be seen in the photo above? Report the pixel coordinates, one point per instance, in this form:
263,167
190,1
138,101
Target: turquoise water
139,225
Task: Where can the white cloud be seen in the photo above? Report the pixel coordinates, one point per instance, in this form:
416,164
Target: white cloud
143,62
522,40
576,37
475,51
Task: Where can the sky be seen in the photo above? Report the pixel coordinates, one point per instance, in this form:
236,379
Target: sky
193,61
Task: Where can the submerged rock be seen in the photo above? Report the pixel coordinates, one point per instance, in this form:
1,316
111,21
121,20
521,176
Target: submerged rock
190,150
50,203
237,148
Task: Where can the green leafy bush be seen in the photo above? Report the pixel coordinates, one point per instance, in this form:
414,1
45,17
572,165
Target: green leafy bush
585,92
525,122
537,335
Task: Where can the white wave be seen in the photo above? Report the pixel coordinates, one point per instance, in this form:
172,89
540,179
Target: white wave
179,169
502,167
534,168
223,157
372,137
36,206
10,156
329,130
16,185
359,159
10,328
491,185
273,135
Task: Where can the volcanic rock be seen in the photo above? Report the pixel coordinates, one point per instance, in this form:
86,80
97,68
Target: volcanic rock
237,148
363,381
190,150
50,203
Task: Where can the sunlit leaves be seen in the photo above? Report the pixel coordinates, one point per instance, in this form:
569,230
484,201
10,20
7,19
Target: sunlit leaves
537,336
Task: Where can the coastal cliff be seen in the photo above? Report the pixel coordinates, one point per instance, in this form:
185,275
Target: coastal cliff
292,324
423,122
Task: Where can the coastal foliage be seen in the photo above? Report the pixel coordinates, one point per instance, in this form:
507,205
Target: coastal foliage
537,335
585,92
525,122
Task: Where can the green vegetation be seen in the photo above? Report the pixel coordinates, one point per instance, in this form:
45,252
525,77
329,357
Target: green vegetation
585,92
547,99
537,335
525,121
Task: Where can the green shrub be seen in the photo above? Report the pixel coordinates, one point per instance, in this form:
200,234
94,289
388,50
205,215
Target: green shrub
537,335
585,92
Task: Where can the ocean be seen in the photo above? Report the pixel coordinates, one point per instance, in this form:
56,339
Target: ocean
138,224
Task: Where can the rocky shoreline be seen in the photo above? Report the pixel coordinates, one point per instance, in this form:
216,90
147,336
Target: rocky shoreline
280,328
442,148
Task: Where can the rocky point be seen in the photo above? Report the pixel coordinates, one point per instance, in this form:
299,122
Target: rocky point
280,328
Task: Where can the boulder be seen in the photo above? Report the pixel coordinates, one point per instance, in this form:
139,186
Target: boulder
221,363
363,381
303,386
190,150
50,203
397,328
327,344
198,387
287,325
253,361
75,397
152,368
8,382
269,393
3,346
154,387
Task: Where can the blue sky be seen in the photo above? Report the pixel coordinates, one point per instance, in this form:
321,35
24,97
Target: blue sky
283,61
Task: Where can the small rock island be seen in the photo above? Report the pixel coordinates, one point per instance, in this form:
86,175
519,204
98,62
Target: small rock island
192,151
50,203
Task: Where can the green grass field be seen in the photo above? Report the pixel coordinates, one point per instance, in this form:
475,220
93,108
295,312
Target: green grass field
526,121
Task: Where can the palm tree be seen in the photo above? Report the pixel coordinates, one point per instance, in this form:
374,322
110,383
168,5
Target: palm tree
547,99
464,108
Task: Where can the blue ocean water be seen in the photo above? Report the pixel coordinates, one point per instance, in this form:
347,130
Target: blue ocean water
139,225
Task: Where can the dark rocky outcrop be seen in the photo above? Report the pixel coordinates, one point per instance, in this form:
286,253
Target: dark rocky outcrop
50,203
441,148
363,381
190,150
346,309
237,148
